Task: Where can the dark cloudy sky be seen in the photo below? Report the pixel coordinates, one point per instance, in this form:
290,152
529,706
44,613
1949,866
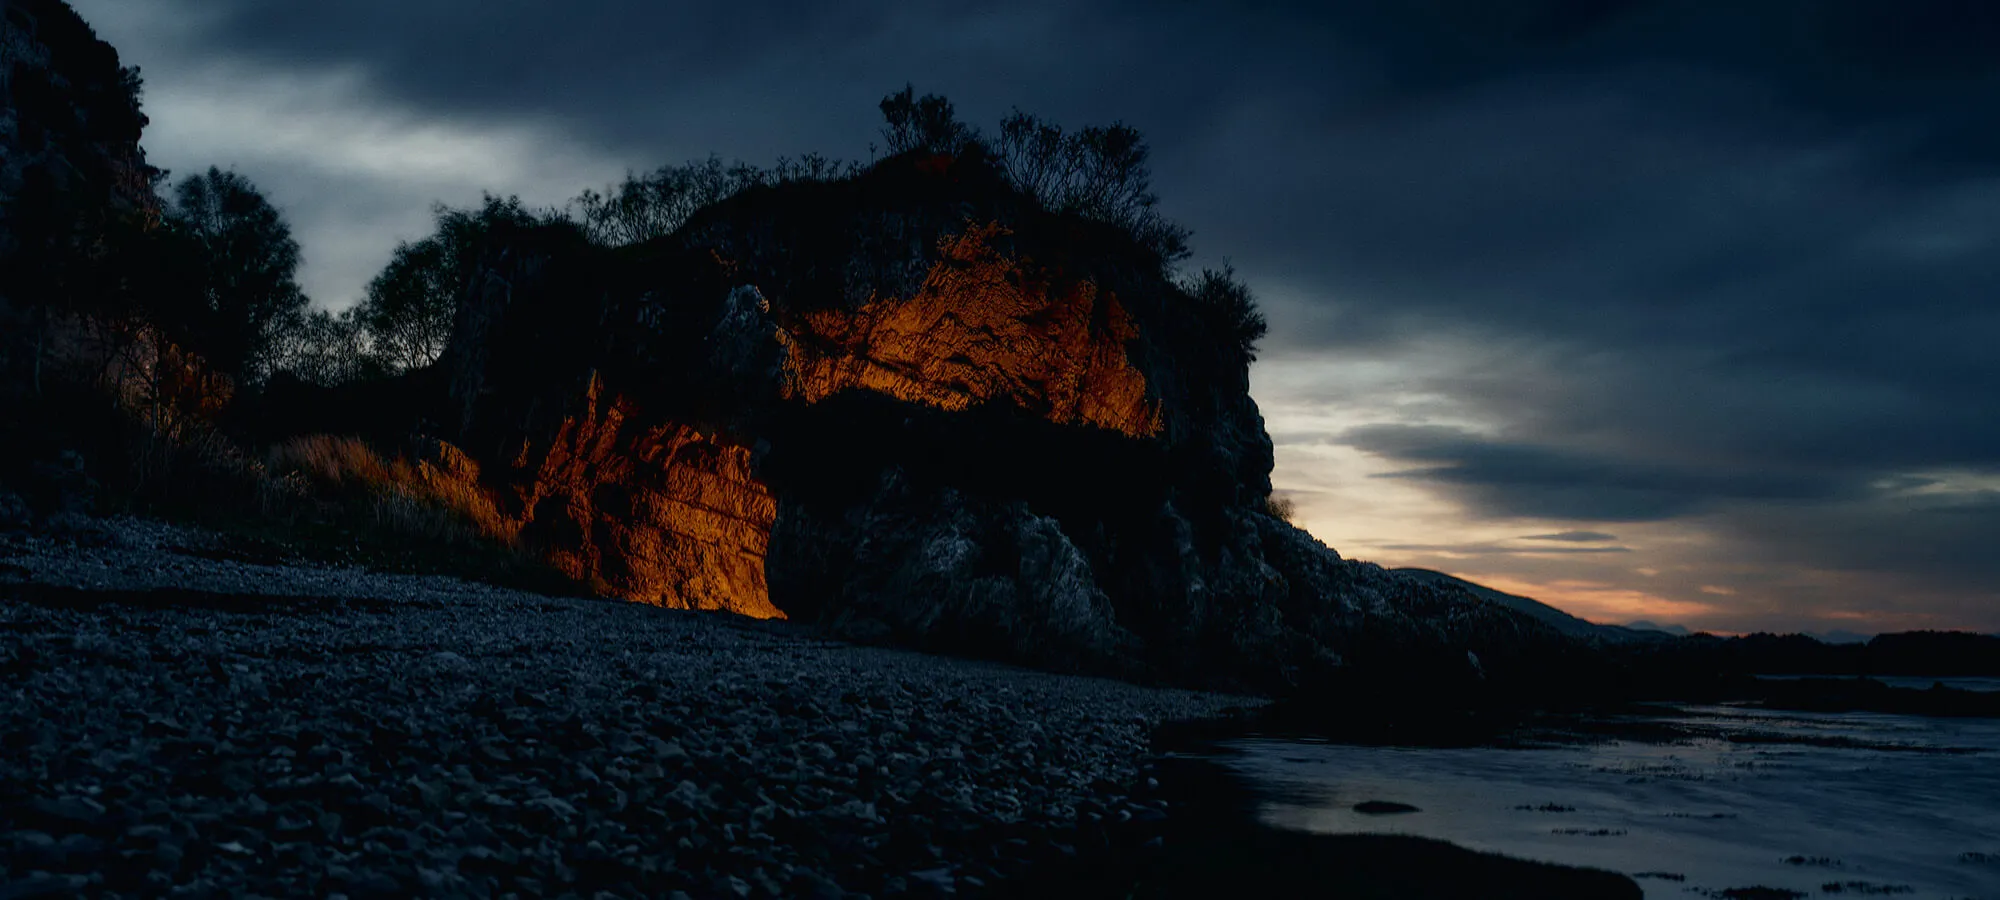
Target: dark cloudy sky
1683,311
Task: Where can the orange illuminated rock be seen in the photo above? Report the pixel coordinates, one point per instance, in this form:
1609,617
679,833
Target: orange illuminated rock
660,513
984,326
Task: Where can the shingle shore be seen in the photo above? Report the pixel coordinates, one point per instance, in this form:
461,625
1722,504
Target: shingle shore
293,729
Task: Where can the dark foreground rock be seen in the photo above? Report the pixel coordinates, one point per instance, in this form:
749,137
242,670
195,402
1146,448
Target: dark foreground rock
180,723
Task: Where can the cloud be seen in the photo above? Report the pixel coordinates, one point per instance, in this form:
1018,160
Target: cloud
1502,479
352,168
1580,537
1605,602
1485,549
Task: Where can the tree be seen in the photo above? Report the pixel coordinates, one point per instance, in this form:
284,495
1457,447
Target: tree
923,123
657,204
325,348
407,316
241,282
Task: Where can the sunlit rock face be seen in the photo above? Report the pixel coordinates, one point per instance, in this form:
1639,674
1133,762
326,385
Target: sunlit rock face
984,326
656,512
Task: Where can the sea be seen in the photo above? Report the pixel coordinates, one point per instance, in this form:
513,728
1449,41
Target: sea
1691,801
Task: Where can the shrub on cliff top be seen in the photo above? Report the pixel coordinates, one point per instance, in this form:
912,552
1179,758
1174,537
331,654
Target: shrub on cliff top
1227,308
1098,172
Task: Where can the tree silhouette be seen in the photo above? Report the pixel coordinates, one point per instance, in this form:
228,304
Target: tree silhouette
658,203
325,348
407,316
922,123
237,273
643,207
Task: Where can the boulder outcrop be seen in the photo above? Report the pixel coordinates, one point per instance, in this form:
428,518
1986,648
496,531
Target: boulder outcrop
654,511
913,406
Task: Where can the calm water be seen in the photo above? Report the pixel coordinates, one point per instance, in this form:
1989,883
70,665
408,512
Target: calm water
1914,682
1796,801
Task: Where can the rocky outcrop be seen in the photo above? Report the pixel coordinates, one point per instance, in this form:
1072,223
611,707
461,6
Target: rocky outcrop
74,186
70,117
915,407
934,565
69,126
658,512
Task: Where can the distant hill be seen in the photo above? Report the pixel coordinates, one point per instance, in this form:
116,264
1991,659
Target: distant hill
1644,625
1553,617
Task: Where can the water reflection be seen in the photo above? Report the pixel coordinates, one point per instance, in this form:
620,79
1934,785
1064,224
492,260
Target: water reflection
1864,803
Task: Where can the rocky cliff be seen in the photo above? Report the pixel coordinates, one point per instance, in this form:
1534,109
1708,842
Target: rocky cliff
69,116
916,407
69,163
73,183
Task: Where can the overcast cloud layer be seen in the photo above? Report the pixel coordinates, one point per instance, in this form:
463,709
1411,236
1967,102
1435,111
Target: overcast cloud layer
1652,310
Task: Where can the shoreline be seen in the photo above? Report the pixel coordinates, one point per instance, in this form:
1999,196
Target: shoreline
181,720
1212,843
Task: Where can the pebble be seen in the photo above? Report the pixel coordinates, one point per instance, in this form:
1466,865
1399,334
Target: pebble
601,748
